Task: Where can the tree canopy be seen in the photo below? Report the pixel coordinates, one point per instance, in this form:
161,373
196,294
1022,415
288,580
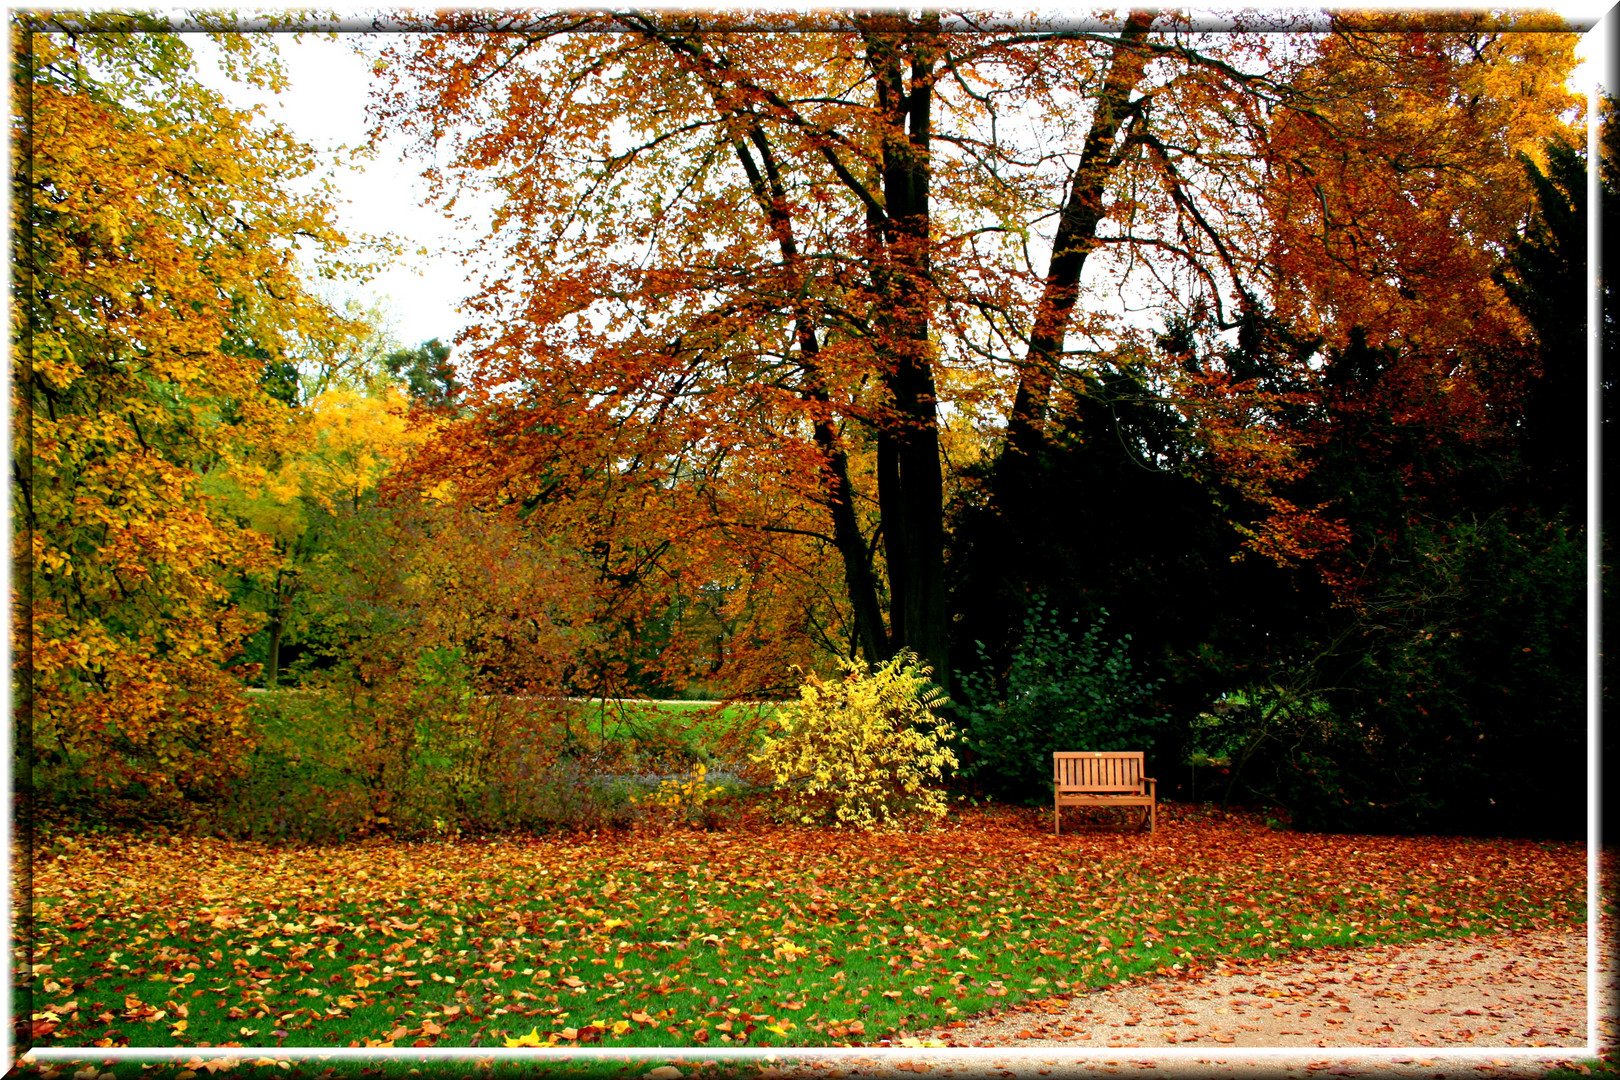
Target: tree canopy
793,262
158,298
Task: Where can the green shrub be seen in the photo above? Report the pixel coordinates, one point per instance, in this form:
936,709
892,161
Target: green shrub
1465,710
1058,693
859,751
417,752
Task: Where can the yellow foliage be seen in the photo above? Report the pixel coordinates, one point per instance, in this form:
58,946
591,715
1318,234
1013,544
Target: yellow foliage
157,285
858,752
350,438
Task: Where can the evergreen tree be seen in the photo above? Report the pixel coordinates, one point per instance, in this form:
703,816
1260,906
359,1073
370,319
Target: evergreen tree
429,376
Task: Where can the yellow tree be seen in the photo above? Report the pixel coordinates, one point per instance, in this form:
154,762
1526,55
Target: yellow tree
156,282
307,492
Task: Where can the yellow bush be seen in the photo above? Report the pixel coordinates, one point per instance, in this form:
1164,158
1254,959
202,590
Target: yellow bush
858,751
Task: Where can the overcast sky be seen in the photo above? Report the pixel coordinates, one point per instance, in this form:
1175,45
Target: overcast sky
325,107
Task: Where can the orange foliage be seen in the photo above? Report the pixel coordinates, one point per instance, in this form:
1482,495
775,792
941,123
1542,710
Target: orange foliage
1397,184
743,271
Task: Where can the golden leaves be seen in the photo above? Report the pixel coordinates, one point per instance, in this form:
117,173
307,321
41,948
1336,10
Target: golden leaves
1397,182
155,245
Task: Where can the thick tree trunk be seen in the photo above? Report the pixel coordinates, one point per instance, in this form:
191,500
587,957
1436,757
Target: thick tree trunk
911,486
1076,238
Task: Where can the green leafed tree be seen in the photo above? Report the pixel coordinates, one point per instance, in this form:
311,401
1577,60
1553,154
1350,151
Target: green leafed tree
429,376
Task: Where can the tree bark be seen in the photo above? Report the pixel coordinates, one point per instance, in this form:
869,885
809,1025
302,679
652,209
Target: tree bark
1076,238
911,486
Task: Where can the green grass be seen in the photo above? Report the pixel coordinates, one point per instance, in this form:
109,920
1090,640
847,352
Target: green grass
698,725
633,1067
627,1067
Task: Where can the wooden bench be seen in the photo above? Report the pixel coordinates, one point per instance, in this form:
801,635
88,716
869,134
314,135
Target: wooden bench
1094,778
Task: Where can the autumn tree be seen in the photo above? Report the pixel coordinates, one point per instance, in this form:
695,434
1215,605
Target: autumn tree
787,252
158,298
309,496
1455,642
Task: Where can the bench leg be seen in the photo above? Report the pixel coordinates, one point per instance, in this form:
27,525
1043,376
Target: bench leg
1057,820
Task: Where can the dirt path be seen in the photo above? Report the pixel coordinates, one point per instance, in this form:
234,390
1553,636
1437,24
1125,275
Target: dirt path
1487,1006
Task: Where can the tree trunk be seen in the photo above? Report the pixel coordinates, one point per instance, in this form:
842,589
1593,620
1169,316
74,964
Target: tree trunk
272,664
859,580
1076,238
280,601
910,484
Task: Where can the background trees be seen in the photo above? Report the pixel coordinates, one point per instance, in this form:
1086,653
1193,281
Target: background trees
796,250
158,302
814,345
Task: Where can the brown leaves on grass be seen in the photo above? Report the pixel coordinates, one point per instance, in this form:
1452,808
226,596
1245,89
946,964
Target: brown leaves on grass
760,935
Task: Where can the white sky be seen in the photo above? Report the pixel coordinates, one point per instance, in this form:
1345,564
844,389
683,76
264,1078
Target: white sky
325,107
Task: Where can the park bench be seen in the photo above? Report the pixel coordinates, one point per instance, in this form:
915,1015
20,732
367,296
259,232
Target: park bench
1093,778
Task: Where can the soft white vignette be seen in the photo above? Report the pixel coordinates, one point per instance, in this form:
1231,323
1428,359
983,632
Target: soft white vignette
325,107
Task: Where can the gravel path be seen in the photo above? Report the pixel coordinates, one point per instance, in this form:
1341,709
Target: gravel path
1509,1005
1525,989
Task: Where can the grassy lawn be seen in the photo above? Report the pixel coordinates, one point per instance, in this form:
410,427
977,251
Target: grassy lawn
305,723
702,726
758,936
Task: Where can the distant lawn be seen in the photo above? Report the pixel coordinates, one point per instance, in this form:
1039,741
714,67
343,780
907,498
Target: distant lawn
759,936
303,720
703,723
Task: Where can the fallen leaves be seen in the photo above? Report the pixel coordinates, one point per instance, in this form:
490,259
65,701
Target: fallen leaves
681,938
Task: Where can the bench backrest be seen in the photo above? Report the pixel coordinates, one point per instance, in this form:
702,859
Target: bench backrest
1098,771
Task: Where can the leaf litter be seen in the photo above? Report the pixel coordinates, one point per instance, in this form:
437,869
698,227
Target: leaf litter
757,937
